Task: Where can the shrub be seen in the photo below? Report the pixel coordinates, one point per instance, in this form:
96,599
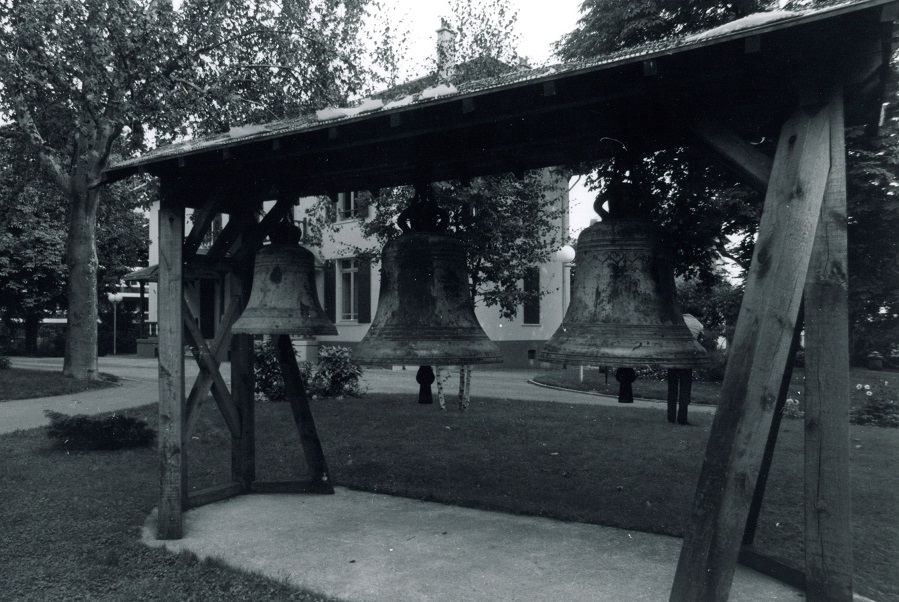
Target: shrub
713,372
879,408
336,375
5,364
269,382
82,432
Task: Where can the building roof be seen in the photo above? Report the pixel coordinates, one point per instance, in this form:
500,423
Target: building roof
746,71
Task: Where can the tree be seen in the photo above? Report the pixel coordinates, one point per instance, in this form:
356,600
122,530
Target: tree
609,25
88,78
33,234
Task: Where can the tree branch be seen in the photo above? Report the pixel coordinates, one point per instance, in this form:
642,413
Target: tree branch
48,156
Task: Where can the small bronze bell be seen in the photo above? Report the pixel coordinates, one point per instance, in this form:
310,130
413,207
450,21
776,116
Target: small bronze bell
425,314
284,299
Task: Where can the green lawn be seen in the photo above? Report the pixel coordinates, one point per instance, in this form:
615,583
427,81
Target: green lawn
71,520
21,383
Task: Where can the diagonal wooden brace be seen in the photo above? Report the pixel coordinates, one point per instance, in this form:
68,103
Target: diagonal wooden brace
758,359
209,364
295,389
205,378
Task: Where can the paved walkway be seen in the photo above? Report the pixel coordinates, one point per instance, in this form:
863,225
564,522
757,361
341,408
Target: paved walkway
367,547
139,386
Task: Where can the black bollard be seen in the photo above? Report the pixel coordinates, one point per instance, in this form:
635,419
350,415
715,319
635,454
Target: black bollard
425,378
625,376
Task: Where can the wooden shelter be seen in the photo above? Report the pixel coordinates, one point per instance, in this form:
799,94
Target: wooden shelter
798,79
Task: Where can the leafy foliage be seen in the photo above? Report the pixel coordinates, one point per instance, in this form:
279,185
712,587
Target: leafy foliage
86,80
81,432
506,224
609,25
267,371
336,375
5,363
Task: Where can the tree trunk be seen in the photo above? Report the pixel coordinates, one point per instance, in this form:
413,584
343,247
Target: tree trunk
81,258
32,326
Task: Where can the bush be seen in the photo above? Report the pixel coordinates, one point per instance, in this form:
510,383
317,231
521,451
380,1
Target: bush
82,432
336,375
269,382
714,371
5,364
880,407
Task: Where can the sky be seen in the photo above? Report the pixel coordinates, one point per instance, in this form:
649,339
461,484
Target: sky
540,23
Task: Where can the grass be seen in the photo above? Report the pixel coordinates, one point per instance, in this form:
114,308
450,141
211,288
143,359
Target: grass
71,520
705,392
21,383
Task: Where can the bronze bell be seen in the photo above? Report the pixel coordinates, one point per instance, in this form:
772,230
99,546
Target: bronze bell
425,314
284,299
623,309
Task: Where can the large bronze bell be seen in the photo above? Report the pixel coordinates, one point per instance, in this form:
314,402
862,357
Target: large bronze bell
284,299
623,309
425,314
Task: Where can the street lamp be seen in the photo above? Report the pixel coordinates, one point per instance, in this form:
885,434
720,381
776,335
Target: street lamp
114,298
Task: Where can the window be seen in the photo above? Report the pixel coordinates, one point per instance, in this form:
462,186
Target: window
348,290
347,274
531,308
352,205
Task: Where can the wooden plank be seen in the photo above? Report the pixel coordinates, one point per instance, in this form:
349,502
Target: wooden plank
243,450
291,487
224,243
202,221
758,357
758,495
213,494
173,460
771,567
828,529
743,158
207,362
295,391
204,379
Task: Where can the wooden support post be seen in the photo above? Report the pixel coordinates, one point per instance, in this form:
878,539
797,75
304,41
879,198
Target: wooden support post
828,533
295,390
758,357
173,460
243,449
758,494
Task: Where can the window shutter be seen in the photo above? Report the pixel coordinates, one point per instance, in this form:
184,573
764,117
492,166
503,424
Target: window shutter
363,291
331,291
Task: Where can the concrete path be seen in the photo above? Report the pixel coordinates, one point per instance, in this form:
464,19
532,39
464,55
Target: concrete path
364,547
139,378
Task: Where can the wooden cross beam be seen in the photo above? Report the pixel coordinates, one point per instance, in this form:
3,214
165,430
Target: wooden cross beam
209,366
205,379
